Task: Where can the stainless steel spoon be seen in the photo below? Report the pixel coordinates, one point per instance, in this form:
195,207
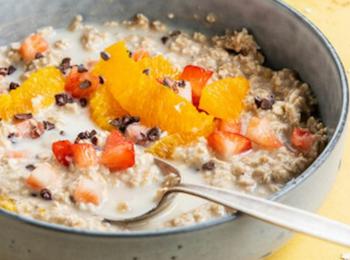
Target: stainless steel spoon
272,212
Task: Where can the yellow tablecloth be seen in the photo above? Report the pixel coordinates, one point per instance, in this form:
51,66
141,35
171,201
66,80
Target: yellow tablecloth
333,18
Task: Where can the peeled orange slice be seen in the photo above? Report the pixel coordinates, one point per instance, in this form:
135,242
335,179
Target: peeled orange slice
165,146
104,108
158,67
140,54
142,96
43,85
5,106
224,98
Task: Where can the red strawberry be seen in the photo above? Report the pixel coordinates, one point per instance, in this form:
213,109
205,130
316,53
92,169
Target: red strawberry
136,133
87,191
84,155
33,45
81,84
63,152
41,177
30,128
228,144
118,153
302,139
231,126
198,77
261,133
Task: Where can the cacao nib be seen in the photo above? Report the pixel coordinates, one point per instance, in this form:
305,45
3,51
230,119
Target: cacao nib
208,166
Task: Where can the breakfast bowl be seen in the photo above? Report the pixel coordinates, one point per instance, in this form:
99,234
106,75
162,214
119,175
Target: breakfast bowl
287,39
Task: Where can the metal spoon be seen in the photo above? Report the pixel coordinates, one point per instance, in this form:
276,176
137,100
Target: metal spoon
272,212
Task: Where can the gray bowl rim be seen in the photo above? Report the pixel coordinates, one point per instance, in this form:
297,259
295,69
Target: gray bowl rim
211,223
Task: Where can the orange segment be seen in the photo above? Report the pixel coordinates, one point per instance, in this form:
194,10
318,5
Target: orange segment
43,84
224,98
142,96
5,106
104,108
158,67
165,146
140,54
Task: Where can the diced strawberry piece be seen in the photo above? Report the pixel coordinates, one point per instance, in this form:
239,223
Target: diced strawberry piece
41,177
84,155
23,128
114,138
87,191
81,84
16,154
31,46
118,153
232,126
63,152
30,129
198,77
261,133
139,54
136,133
227,144
302,139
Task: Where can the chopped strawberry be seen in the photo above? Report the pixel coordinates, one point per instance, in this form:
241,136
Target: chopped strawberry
16,154
118,153
231,126
63,152
41,177
261,133
84,155
227,144
198,77
32,46
23,128
139,54
136,133
302,139
30,129
87,191
81,84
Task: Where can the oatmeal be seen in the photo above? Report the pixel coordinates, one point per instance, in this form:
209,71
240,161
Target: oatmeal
86,109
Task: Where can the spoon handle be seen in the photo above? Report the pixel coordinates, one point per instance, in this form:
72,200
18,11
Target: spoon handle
278,214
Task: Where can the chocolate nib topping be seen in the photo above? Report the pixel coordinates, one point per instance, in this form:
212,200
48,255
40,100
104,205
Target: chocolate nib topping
122,122
23,116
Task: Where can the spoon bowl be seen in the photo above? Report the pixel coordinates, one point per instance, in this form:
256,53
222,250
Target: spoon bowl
172,178
272,212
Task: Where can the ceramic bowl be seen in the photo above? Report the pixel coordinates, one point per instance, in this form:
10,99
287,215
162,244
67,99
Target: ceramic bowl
287,39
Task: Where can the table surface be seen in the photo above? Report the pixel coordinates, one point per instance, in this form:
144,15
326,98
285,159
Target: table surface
333,18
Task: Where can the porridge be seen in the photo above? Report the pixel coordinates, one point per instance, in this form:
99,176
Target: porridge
85,110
